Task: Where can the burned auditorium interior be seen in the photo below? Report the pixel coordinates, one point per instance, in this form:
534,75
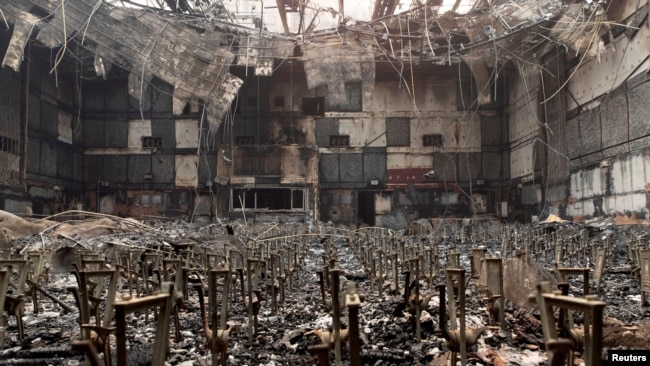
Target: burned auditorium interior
324,182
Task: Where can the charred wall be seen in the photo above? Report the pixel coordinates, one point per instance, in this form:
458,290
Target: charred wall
328,127
588,155
610,157
142,156
267,158
42,150
392,161
11,139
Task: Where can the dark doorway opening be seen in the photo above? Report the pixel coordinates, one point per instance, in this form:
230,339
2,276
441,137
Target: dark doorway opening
366,207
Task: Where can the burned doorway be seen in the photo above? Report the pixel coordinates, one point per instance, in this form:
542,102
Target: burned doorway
105,198
107,203
366,207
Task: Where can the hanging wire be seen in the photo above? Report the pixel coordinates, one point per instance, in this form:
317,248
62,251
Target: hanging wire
61,52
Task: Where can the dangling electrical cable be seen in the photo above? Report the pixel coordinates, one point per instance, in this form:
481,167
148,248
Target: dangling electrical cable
65,39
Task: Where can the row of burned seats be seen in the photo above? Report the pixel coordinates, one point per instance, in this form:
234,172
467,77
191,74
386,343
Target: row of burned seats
21,277
151,280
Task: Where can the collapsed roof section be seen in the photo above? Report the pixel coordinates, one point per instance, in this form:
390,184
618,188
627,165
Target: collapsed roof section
194,53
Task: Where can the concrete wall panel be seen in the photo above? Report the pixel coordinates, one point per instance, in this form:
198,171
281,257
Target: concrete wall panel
593,158
573,138
401,158
48,159
137,130
521,161
469,167
590,132
392,96
460,133
117,133
588,183
48,87
324,128
640,143
616,150
398,131
33,155
64,164
531,194
186,170
625,204
9,168
351,170
639,112
614,119
77,167
374,166
94,168
580,209
162,168
556,193
491,133
166,130
492,166
363,132
187,133
93,132
49,119
116,97
94,97
34,112
630,173
115,168
77,131
445,167
139,165
523,118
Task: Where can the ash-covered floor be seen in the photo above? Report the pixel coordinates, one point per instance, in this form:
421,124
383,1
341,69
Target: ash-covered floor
386,321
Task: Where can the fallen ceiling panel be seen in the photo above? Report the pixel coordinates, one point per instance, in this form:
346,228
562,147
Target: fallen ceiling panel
148,45
333,64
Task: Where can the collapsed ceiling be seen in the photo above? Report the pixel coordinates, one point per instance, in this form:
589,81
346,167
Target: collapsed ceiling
192,45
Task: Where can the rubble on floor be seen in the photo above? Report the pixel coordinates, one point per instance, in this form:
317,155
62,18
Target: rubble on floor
292,318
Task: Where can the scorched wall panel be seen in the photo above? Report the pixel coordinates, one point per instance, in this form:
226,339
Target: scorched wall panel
116,133
638,98
139,166
186,170
165,129
94,136
614,119
115,169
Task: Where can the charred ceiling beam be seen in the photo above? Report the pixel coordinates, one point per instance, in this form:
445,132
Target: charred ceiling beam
24,25
384,8
302,17
283,15
179,6
455,6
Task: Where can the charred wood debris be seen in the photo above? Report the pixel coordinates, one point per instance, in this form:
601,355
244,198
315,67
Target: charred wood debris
84,288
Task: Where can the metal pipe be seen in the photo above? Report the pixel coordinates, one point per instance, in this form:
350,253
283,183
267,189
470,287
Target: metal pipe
335,271
353,303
